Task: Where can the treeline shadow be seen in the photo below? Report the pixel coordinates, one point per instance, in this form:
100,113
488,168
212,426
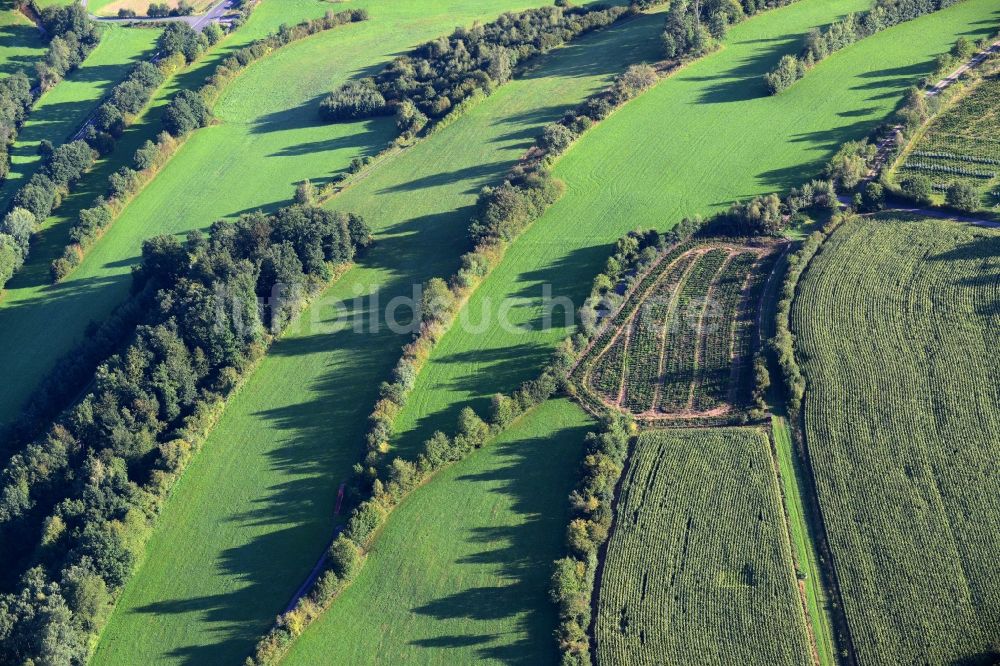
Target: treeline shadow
520,555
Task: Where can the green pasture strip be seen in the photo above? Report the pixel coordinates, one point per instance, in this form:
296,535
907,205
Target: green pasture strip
61,111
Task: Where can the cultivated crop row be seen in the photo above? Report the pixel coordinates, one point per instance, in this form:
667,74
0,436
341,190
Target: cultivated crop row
896,326
960,138
645,347
698,566
624,315
685,330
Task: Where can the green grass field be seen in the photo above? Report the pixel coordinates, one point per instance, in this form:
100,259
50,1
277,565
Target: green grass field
21,43
62,110
698,566
293,431
801,525
269,118
897,322
717,136
461,570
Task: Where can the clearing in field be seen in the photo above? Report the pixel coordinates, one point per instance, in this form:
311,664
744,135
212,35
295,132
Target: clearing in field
963,144
898,323
698,568
681,346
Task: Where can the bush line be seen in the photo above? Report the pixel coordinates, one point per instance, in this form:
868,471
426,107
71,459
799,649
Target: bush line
178,46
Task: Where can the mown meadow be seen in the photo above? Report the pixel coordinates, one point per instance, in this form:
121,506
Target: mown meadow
260,532
458,586
897,326
717,136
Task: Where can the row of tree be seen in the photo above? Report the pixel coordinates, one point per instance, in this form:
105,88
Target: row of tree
43,194
437,76
162,10
694,27
852,28
75,505
33,203
187,111
72,36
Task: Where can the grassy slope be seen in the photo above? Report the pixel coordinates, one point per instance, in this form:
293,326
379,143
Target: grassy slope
461,570
20,43
693,144
62,110
698,567
294,431
897,322
268,138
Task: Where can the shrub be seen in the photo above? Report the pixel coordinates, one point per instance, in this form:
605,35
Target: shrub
353,100
186,112
918,189
556,138
873,197
963,196
18,225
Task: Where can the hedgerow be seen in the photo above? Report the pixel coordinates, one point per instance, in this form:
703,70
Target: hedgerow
439,75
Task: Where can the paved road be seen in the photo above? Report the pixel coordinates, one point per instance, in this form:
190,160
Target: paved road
931,212
954,76
213,15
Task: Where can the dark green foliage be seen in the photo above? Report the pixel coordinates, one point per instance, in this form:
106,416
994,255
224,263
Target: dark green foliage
18,225
873,197
918,189
73,36
186,112
573,579
963,196
76,500
849,165
355,99
695,26
179,37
